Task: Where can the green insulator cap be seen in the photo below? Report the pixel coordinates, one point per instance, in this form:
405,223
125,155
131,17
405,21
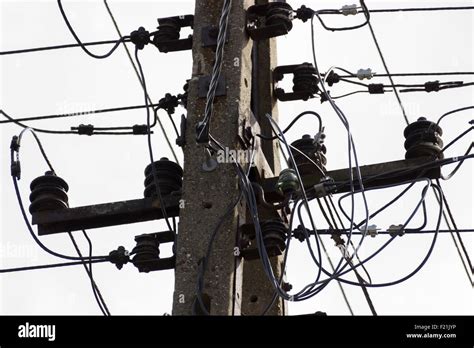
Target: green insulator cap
288,181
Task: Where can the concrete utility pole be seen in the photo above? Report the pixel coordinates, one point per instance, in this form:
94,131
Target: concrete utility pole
208,195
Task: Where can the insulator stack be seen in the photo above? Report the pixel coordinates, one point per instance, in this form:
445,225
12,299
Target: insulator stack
274,234
146,250
305,80
168,30
169,176
48,192
279,13
314,152
423,138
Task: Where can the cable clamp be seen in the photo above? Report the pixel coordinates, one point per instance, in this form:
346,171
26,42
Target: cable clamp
432,86
15,169
140,38
85,129
320,137
365,74
396,230
119,257
326,187
332,78
372,230
15,145
347,10
140,129
376,88
304,13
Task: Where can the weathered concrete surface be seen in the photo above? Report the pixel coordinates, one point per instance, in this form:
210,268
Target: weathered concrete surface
208,195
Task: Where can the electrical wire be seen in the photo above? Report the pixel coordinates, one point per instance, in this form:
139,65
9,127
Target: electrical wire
22,208
450,175
84,48
351,145
459,137
57,47
365,11
392,83
129,55
150,147
95,289
375,75
73,114
292,123
455,227
49,266
453,112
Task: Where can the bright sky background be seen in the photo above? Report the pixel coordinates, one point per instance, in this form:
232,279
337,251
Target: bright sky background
106,169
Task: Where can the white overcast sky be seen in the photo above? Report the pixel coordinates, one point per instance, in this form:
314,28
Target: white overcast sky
100,169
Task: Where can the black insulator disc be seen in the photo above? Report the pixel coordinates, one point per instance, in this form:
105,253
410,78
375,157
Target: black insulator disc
48,192
49,180
165,189
423,138
280,18
147,249
56,191
168,31
274,233
47,202
163,177
424,124
166,165
424,150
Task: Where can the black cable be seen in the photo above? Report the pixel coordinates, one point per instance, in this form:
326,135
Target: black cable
410,9
453,73
448,209
204,262
135,68
388,72
459,137
48,48
365,11
150,147
422,9
292,123
71,29
450,175
74,114
441,88
55,265
39,130
453,112
95,289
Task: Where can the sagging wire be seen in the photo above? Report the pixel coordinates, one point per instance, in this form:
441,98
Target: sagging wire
79,42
